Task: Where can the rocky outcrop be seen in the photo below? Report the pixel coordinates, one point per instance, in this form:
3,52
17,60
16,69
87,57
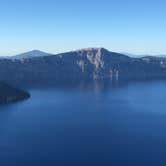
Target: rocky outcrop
9,94
92,63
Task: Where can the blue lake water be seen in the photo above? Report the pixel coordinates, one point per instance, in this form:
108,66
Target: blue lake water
86,125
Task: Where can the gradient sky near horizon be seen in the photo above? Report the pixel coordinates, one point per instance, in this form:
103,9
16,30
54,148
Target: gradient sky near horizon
134,26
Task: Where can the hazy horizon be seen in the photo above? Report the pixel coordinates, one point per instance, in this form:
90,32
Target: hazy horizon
136,27
54,53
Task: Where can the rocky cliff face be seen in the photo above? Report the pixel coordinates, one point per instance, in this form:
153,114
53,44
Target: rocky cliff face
9,94
92,63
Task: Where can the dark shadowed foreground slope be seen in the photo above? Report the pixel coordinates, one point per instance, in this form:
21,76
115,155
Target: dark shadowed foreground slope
85,64
9,94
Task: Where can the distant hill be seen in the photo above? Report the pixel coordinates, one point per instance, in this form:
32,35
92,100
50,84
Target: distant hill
83,64
31,54
144,55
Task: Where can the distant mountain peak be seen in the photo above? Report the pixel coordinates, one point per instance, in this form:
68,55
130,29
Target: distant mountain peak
36,51
31,54
92,49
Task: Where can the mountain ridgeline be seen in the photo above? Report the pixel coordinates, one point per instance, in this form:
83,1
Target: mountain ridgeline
85,64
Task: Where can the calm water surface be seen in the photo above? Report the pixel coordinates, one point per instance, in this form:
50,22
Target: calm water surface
86,125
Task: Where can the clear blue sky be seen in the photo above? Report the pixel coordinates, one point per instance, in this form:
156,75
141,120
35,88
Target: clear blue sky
135,26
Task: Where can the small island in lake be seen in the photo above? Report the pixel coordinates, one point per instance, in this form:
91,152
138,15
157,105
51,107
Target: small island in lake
9,94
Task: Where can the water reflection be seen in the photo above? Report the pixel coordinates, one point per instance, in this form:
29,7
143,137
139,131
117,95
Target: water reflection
96,86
